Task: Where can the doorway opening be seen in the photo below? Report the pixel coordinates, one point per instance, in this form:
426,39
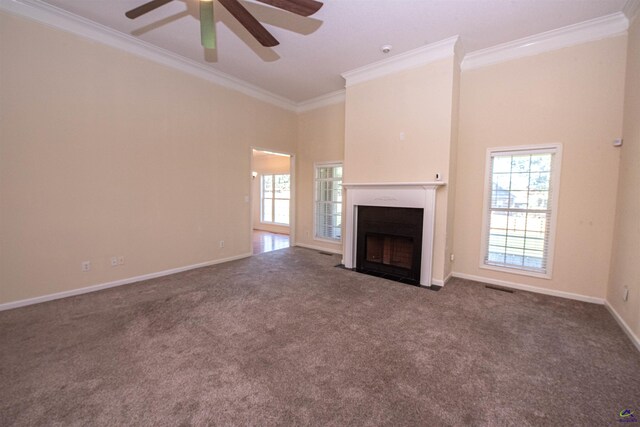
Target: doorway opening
272,200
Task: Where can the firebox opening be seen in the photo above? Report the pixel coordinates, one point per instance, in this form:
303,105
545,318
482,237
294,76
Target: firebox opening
389,242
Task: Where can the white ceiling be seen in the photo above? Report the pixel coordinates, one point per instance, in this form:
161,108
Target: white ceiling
342,36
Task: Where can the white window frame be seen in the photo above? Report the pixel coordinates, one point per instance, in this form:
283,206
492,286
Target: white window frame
315,200
273,199
556,149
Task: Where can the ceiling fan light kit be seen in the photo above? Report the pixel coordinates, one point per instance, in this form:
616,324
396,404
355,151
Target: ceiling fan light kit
255,28
207,25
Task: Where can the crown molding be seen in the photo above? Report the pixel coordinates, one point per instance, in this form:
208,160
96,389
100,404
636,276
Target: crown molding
595,29
60,19
322,101
404,61
631,9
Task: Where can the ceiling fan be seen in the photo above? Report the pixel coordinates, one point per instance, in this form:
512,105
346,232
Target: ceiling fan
259,32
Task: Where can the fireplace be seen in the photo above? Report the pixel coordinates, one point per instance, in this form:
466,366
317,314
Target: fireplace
385,250
389,242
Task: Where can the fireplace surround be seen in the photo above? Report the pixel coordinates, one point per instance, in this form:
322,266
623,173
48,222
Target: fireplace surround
418,195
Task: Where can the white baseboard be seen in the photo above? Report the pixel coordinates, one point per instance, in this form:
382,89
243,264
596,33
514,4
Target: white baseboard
319,248
627,330
98,287
438,282
530,288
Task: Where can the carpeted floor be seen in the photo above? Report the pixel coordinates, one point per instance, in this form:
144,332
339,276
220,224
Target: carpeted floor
285,338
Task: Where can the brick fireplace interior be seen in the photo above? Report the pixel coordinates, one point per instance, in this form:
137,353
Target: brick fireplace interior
389,242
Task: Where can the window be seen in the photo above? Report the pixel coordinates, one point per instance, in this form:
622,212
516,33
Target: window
275,197
520,206
328,203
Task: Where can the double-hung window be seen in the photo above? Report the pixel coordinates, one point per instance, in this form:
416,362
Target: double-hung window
328,201
275,198
521,199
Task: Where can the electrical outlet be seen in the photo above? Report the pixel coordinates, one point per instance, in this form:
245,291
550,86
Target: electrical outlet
625,294
452,257
117,260
221,244
85,266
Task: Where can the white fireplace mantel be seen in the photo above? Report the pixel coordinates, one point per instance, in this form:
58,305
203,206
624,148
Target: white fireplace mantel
420,195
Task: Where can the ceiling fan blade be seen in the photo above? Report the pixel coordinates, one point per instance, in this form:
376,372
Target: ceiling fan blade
250,23
299,7
147,7
207,25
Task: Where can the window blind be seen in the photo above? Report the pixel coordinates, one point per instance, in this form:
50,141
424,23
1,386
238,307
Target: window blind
520,209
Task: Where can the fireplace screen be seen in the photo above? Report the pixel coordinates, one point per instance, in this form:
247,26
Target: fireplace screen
389,242
389,250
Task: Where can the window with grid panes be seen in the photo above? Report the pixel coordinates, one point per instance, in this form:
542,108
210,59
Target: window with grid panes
275,198
520,209
328,201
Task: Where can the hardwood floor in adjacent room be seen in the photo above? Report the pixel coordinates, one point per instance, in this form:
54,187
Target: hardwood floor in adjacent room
264,241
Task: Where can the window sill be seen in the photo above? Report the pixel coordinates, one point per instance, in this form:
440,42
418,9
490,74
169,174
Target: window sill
515,270
325,240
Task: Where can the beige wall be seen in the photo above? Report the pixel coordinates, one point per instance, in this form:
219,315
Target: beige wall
571,96
320,139
420,104
625,260
452,176
417,102
103,153
267,164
